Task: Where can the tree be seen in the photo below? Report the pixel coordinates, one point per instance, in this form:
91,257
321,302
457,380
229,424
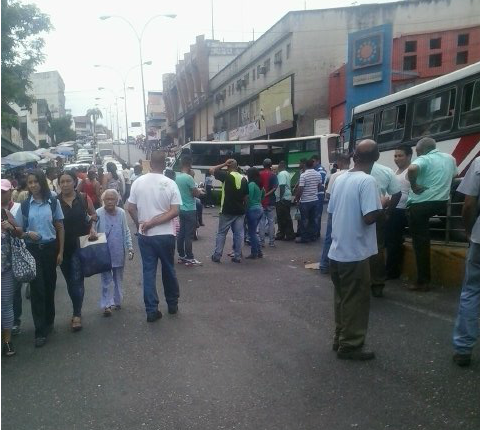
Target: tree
22,46
94,114
61,128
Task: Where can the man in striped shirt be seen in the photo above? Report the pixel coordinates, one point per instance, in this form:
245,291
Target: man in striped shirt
309,185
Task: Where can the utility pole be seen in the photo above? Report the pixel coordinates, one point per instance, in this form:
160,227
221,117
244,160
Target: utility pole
213,31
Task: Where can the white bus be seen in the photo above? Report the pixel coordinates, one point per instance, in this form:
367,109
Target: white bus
251,153
446,108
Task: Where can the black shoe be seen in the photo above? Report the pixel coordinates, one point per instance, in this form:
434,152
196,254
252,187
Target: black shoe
236,260
260,255
279,237
356,354
215,259
8,350
462,360
251,257
40,341
377,290
289,238
172,310
335,346
154,316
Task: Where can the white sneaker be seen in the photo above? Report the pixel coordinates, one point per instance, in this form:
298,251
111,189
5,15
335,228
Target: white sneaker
192,262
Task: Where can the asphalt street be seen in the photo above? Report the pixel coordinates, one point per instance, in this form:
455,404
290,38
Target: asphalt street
249,349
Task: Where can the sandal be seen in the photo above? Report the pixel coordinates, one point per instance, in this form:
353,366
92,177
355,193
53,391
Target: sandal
107,312
76,324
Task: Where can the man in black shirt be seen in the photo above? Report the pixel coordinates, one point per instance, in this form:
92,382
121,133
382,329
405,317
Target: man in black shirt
232,208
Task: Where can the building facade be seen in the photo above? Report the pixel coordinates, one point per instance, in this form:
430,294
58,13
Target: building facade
50,87
156,116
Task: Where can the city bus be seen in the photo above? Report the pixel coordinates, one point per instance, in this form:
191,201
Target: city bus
251,153
446,108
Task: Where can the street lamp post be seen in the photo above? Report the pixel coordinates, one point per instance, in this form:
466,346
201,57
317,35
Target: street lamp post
139,39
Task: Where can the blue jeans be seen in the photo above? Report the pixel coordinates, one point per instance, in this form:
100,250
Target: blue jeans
153,248
466,330
72,271
321,197
324,260
224,224
254,215
188,224
268,216
308,213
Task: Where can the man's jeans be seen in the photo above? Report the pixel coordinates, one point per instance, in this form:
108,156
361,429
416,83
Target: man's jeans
188,224
284,220
466,330
224,224
308,213
394,236
254,215
268,216
153,248
327,242
420,214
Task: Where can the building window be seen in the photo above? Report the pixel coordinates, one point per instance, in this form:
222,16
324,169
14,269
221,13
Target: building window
266,64
410,62
253,74
462,57
278,58
436,43
463,40
435,60
411,46
246,79
259,71
288,51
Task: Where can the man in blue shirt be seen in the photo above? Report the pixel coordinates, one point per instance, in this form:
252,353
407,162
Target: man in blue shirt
317,166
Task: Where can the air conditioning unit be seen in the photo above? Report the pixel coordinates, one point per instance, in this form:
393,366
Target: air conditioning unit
262,70
219,97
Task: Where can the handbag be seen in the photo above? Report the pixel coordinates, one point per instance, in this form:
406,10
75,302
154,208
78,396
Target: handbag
94,255
24,267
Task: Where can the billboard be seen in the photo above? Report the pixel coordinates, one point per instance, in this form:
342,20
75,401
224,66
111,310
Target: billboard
276,111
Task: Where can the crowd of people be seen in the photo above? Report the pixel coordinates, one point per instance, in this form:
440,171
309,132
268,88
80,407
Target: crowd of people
369,208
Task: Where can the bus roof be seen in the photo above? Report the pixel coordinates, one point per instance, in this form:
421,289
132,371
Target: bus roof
255,142
420,88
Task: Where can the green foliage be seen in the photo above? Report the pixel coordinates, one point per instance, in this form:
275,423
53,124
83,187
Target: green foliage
61,129
22,46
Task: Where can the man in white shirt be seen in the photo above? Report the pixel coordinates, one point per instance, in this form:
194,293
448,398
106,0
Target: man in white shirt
354,205
343,163
127,180
153,203
397,221
466,331
390,194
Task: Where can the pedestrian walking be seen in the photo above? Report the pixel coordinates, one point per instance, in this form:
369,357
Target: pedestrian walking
430,176
188,213
269,183
112,180
41,218
209,190
466,330
397,221
390,194
78,211
343,164
309,185
126,178
354,205
8,284
91,187
317,165
113,222
232,208
284,203
254,211
153,203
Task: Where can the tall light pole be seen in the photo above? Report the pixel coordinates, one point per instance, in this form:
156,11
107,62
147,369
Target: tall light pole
124,81
139,39
116,106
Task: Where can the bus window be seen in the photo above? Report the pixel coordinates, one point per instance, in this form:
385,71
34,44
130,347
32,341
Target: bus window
434,114
260,152
277,153
364,127
312,145
392,124
296,146
470,113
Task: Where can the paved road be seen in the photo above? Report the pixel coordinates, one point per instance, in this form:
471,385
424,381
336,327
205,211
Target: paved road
135,153
250,349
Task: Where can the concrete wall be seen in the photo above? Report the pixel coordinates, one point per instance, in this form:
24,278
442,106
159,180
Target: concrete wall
50,87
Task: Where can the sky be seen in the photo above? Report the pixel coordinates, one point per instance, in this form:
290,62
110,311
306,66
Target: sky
81,40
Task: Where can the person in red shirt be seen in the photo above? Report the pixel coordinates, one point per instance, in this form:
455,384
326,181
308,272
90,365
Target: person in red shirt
269,183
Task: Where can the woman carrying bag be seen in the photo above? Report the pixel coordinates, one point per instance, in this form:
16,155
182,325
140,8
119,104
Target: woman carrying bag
9,228
78,210
41,218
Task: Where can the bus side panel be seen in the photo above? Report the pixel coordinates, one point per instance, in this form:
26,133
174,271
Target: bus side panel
295,157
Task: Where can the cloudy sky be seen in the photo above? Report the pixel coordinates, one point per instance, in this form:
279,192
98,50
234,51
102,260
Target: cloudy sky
81,40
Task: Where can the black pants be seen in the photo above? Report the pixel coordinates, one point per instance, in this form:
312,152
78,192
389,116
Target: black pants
420,214
284,220
394,236
42,288
208,195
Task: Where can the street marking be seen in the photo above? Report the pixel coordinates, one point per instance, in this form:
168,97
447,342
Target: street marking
423,311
